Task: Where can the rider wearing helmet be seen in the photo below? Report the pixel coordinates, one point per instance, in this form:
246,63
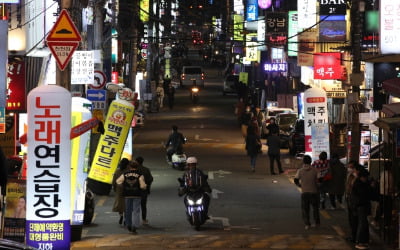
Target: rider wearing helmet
195,180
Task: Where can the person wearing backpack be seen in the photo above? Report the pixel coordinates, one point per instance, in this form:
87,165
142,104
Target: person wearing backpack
133,184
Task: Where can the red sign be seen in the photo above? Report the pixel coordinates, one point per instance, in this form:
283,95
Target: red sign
114,77
62,51
327,66
16,96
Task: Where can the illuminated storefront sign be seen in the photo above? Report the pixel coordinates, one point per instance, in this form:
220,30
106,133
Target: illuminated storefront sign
252,10
238,28
327,66
48,181
276,22
389,27
307,11
332,28
264,4
144,10
332,7
16,96
275,67
315,112
292,33
111,143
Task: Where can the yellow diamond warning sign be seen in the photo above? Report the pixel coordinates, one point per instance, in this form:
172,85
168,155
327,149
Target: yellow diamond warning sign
64,30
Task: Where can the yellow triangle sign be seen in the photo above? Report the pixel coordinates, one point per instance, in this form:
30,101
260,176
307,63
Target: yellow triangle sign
64,29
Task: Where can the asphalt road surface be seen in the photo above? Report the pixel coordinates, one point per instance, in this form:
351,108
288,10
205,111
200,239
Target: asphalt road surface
248,210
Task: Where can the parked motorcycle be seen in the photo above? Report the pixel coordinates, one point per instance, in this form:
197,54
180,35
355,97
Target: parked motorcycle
195,206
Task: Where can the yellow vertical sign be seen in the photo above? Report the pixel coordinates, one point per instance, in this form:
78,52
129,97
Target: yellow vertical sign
111,143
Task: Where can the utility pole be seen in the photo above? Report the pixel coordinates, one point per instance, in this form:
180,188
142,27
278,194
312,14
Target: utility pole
357,9
134,48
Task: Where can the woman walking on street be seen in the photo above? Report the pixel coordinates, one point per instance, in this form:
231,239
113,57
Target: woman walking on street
119,202
253,146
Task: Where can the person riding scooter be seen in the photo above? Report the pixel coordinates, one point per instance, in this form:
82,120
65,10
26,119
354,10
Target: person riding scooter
174,143
194,180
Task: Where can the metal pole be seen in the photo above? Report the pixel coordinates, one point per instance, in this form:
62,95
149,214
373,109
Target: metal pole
356,26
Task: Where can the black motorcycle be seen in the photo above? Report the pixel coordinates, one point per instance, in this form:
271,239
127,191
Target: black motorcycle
195,203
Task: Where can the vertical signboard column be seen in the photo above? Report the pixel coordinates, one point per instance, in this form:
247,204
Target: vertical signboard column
49,168
315,113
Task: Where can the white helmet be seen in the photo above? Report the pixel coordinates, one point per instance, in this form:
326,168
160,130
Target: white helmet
191,160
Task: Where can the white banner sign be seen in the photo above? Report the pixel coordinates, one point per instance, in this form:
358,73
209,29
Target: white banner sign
82,68
315,112
49,168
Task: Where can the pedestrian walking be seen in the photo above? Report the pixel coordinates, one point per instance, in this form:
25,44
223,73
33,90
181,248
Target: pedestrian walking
274,152
336,184
245,120
322,165
253,147
119,202
351,177
360,201
133,184
239,110
171,96
148,179
160,95
272,127
307,179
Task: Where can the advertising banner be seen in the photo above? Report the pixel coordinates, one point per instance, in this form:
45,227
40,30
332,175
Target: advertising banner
15,213
320,139
49,162
111,143
315,112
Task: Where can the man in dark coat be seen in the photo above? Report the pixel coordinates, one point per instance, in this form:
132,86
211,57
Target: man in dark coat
148,179
336,185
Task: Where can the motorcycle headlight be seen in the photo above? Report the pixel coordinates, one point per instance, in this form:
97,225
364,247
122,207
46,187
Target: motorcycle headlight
199,201
195,89
190,202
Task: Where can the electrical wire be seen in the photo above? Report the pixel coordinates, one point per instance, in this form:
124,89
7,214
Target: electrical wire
31,20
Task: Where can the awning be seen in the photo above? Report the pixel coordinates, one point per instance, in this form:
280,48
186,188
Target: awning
392,86
388,123
391,109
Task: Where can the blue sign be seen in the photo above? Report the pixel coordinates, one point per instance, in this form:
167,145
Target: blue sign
252,10
96,95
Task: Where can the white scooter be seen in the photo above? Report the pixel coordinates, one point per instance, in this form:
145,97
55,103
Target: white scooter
178,160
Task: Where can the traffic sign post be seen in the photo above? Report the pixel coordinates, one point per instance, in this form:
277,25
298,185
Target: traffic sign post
63,39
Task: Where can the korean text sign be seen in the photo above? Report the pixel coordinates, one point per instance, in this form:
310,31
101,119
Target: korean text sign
111,143
49,168
315,112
